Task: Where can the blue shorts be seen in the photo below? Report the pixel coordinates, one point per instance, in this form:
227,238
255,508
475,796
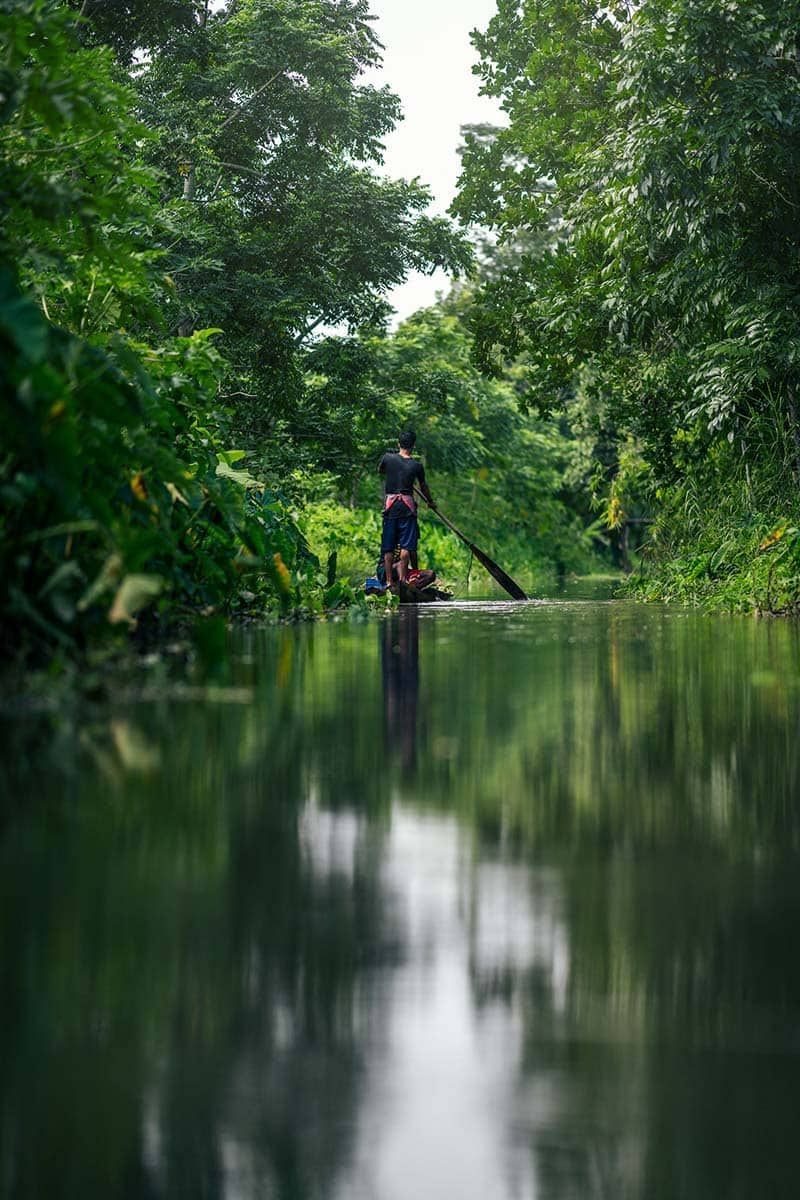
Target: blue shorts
399,531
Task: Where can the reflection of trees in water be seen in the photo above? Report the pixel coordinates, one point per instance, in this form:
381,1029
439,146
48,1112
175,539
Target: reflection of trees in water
661,774
659,1004
187,945
660,1060
617,728
178,951
278,1082
575,1103
658,1016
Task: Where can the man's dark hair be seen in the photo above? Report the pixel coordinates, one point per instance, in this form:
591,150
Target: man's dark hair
407,439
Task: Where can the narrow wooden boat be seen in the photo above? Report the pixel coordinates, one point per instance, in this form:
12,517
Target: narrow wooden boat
429,595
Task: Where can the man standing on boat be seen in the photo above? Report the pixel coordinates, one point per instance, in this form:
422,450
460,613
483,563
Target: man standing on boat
399,506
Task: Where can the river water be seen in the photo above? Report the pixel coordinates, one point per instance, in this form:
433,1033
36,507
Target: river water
494,901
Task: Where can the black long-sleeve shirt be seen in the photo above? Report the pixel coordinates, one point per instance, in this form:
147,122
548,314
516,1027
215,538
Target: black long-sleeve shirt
401,475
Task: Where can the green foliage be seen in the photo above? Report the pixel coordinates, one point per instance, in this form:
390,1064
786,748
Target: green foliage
498,472
651,164
81,212
111,488
188,193
726,533
129,26
264,136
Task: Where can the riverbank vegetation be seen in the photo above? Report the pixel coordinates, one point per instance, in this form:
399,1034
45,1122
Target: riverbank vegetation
197,376
645,191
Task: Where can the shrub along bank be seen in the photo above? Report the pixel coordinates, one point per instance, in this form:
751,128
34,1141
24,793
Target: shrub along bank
727,535
117,495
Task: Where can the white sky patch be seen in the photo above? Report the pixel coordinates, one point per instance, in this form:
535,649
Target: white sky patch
428,62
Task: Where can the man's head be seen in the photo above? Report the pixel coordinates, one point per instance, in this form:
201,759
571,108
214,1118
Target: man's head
407,439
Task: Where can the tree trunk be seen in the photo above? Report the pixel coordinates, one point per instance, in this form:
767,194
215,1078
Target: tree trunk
189,183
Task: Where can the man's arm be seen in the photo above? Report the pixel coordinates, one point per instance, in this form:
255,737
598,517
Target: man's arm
382,465
423,487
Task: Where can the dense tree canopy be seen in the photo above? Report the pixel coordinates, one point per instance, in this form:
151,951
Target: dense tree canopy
657,150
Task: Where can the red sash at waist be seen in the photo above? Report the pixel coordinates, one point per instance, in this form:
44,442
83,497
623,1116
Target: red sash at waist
407,500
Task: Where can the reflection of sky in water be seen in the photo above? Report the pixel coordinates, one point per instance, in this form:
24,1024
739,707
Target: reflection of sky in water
329,840
448,1105
518,924
435,1115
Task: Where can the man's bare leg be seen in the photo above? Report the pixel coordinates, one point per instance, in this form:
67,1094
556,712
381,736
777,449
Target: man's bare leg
403,565
388,564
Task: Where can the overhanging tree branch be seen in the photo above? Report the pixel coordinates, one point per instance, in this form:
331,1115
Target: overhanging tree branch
190,179
249,100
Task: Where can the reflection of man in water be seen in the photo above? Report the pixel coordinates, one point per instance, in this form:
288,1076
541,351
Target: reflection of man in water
400,666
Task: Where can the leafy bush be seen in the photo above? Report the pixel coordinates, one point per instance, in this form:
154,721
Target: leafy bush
114,491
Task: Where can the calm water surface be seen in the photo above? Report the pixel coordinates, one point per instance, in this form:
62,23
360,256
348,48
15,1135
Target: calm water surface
491,902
